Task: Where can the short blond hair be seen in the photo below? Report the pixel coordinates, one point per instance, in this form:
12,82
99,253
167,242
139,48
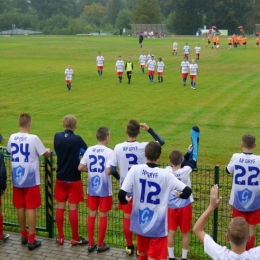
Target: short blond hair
70,122
24,120
238,231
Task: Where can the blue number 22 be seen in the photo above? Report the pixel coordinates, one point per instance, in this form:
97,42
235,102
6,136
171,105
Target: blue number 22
239,180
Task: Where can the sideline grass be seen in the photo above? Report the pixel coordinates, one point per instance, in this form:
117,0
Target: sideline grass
225,104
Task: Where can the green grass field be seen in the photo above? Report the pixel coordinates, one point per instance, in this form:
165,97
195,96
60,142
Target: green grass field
224,106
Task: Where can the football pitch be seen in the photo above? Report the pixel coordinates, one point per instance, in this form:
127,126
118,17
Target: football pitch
225,104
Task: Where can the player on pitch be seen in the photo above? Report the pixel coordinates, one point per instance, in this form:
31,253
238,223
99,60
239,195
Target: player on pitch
68,76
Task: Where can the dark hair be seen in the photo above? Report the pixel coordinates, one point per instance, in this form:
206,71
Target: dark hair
248,141
153,151
133,128
102,133
176,157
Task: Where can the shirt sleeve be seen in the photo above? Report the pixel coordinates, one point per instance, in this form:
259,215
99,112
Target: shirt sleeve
84,159
40,148
175,183
231,165
113,160
129,180
213,249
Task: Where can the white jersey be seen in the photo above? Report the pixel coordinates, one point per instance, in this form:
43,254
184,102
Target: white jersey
197,49
185,66
151,190
160,66
183,174
193,69
149,56
151,65
25,150
120,66
126,155
217,252
245,192
100,60
175,46
68,74
97,158
186,49
142,59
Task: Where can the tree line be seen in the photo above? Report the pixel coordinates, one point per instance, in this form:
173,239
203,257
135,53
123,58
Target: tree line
85,16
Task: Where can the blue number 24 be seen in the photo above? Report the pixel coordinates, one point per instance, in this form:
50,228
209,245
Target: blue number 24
22,148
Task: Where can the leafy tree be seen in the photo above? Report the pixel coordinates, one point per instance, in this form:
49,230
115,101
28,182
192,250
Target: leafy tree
5,5
124,19
113,8
21,5
147,12
94,13
47,8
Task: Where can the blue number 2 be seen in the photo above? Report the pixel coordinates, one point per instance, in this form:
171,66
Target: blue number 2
23,149
151,193
242,172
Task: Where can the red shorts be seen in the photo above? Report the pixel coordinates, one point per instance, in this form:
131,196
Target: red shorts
180,217
100,67
142,66
197,54
160,74
186,55
27,198
174,50
184,75
103,203
120,73
252,217
69,190
127,208
193,76
68,81
155,248
150,72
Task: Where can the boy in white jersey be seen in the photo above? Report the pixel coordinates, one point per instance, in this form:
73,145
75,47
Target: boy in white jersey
142,61
186,51
175,48
68,76
180,210
194,71
125,156
100,64
149,56
96,162
237,235
120,68
151,189
197,50
151,68
245,192
3,237
160,69
184,70
25,150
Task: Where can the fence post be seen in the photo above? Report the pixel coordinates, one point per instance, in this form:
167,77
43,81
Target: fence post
215,216
49,195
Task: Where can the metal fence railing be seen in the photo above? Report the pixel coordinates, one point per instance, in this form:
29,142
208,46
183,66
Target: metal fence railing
202,180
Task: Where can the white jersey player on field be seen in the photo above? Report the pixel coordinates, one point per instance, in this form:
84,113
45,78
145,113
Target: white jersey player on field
197,50
69,74
126,155
237,235
175,48
142,61
245,192
100,63
194,71
96,161
149,56
151,189
160,69
186,51
119,68
151,64
184,70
